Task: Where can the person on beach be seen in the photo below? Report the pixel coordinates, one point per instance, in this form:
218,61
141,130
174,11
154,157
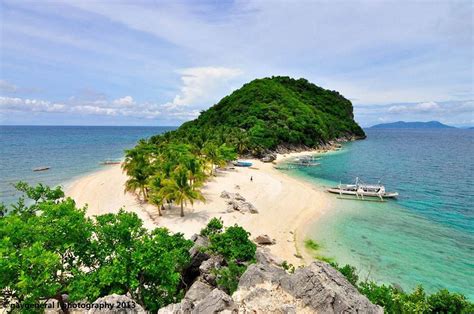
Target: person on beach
251,179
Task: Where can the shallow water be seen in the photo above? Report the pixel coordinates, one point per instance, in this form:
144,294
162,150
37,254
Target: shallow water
426,236
70,151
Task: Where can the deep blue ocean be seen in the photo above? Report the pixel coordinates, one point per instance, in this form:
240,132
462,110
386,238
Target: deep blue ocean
426,236
70,151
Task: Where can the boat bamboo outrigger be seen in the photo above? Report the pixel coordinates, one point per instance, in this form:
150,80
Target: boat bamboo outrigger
361,190
304,161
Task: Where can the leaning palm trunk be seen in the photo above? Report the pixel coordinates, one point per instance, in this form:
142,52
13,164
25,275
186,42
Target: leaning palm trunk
182,210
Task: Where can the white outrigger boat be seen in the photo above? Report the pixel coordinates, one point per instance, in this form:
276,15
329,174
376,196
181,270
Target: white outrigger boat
360,190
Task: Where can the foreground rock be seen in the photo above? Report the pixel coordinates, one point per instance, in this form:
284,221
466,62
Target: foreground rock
266,287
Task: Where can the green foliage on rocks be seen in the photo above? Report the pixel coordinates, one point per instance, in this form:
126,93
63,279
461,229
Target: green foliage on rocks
394,300
228,277
234,245
213,227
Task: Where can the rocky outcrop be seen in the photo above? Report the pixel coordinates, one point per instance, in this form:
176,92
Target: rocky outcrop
269,157
264,239
198,291
216,302
208,267
198,256
317,288
236,202
266,287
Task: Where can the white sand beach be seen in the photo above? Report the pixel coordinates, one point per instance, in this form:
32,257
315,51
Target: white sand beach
286,205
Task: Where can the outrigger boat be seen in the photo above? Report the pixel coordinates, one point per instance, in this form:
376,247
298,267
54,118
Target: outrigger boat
242,163
41,168
110,162
304,161
361,190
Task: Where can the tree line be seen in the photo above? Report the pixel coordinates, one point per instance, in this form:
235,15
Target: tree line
164,172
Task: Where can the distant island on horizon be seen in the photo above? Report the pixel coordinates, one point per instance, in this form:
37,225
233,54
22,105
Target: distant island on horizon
412,125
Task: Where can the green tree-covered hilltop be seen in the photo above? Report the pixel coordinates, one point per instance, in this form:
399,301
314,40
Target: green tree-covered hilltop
269,113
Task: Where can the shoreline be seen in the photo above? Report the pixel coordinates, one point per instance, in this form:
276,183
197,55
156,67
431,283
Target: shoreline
287,205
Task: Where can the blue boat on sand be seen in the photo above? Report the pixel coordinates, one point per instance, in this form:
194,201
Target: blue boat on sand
240,163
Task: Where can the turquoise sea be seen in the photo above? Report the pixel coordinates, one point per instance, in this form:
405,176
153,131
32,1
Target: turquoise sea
70,151
426,236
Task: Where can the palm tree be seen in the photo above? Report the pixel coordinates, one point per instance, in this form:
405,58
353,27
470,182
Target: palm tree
194,169
243,143
158,201
138,168
213,155
137,181
178,189
155,184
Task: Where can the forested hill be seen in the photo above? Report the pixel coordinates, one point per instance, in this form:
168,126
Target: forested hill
270,112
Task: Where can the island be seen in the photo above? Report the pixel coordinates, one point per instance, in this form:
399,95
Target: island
412,125
273,114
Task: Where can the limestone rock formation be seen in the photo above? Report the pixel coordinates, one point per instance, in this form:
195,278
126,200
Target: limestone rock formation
269,157
215,302
236,202
265,287
264,239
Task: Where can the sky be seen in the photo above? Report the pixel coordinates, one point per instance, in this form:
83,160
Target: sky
92,62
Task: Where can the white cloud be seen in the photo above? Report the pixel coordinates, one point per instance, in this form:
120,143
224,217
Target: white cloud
126,101
7,87
34,105
201,84
417,108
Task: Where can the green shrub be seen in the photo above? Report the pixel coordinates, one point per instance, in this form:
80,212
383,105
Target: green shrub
233,244
381,295
213,227
350,272
398,301
228,277
444,301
